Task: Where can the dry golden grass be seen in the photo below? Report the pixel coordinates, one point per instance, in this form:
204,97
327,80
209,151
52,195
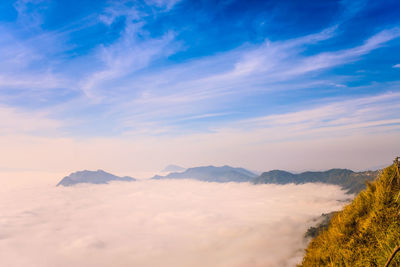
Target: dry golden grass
366,231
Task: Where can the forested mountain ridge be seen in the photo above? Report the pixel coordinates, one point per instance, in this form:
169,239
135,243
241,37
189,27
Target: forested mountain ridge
352,182
366,231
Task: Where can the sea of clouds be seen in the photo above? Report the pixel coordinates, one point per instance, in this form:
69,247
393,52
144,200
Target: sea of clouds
160,223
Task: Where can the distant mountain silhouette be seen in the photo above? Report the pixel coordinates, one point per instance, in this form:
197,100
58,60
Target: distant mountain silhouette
92,177
212,174
173,168
349,180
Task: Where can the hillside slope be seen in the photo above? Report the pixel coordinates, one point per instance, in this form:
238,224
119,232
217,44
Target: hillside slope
366,231
352,182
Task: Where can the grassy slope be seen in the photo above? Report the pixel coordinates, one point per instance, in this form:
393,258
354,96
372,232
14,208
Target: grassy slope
366,231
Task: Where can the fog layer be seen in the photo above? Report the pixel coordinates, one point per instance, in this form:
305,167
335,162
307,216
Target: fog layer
160,223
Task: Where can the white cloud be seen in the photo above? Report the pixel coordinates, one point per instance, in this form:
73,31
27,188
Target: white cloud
160,223
396,66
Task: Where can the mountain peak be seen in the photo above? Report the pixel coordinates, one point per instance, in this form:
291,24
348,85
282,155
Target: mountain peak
173,168
212,174
92,177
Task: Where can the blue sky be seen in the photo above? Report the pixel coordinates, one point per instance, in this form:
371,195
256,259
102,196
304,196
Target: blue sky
263,73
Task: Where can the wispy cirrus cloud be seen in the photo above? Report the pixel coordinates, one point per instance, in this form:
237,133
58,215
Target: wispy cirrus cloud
38,62
366,114
131,52
125,57
189,89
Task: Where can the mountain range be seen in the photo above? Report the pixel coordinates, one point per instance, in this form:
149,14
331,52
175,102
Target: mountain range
92,177
212,174
352,182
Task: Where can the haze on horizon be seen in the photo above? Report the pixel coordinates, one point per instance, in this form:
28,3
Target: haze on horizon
132,86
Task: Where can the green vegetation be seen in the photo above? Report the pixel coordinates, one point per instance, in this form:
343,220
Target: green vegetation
352,182
314,231
366,231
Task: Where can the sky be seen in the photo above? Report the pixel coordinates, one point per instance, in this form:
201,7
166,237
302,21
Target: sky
132,86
